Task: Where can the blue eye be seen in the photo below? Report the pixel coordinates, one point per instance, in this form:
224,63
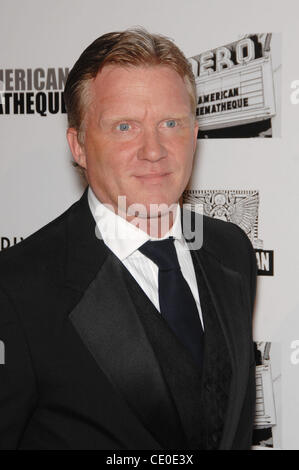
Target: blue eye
124,126
171,123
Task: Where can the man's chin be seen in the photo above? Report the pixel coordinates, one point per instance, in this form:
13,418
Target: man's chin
151,210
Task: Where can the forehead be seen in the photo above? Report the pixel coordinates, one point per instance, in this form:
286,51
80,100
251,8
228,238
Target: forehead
153,85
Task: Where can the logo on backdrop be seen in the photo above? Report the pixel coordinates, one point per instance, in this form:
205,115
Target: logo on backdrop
6,242
32,91
235,87
241,208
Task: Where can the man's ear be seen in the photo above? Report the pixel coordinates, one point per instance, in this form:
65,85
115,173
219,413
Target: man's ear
77,149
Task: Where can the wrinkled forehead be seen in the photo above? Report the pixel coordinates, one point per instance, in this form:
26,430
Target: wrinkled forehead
115,84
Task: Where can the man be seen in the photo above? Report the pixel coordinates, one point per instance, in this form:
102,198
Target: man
117,335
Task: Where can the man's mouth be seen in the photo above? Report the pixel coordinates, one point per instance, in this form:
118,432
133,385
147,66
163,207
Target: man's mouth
151,177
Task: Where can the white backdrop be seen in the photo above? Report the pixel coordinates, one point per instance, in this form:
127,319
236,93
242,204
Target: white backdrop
37,181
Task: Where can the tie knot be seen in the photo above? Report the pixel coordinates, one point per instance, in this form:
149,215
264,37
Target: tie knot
162,253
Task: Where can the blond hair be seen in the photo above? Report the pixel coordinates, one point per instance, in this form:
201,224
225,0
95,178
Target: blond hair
132,47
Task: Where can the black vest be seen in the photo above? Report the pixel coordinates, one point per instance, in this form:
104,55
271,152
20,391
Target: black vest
200,401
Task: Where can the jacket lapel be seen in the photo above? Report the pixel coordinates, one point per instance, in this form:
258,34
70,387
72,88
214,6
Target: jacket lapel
108,324
225,289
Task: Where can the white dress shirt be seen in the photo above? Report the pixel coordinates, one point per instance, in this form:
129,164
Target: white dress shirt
124,239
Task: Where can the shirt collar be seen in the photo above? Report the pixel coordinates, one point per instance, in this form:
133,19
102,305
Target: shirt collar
122,237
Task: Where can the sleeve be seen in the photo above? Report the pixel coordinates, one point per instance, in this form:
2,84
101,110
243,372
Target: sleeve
253,274
243,436
17,380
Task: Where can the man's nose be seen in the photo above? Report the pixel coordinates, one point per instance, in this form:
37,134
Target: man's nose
151,147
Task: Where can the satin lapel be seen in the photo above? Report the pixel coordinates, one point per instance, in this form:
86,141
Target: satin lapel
107,321
225,287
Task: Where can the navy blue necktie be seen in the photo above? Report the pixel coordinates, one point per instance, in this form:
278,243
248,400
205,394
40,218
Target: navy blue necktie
177,304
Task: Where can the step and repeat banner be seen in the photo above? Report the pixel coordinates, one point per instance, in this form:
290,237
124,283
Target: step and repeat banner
246,169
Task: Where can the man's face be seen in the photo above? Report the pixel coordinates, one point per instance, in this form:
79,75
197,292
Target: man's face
140,136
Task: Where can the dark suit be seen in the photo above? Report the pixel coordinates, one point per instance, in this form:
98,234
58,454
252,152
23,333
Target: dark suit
91,364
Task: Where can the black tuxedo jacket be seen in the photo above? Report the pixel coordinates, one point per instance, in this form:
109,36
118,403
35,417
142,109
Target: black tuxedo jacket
91,364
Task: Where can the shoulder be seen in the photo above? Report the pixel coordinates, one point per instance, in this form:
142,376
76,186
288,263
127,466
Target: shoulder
225,239
229,244
34,252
